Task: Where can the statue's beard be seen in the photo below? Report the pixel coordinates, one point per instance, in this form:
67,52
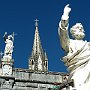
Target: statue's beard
79,36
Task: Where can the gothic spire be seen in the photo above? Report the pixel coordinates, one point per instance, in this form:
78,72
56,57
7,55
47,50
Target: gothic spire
37,56
37,47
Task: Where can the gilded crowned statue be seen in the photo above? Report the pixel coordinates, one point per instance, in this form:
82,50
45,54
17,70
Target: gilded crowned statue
77,57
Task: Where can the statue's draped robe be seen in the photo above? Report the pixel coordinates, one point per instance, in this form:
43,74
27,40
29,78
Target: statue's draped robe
9,47
77,58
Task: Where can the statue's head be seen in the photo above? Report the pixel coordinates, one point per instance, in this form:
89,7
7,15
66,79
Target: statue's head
77,31
10,37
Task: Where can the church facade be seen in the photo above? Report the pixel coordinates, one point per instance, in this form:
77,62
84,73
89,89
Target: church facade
37,76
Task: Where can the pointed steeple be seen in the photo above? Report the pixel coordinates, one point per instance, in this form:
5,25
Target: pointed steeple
38,58
37,47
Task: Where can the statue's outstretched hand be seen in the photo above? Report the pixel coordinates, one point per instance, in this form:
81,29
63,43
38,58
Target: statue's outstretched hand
67,10
5,34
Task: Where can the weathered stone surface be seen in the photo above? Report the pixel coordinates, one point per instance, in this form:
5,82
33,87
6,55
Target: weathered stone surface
23,79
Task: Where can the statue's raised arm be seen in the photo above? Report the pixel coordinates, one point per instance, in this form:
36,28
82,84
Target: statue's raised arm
63,28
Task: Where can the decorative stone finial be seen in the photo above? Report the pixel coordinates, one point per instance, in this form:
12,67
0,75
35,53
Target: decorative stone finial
36,22
1,53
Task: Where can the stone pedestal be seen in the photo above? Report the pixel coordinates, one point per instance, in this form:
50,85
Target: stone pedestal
7,64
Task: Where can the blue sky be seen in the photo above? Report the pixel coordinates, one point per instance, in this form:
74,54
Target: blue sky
18,16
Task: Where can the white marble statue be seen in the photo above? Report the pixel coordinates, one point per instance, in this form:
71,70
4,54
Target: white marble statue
9,45
77,52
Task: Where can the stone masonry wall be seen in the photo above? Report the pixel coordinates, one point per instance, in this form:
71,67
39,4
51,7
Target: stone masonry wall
23,79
